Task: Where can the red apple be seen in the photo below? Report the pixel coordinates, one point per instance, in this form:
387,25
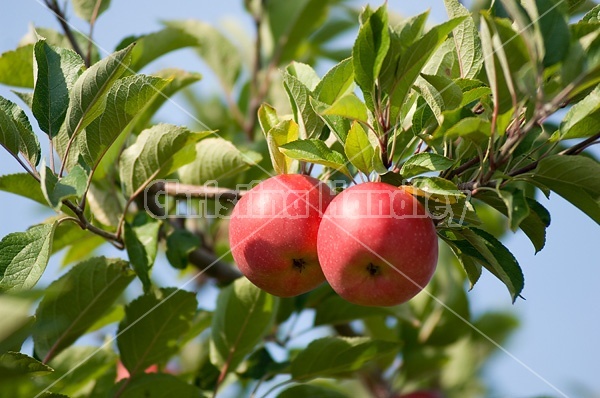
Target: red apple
377,246
273,233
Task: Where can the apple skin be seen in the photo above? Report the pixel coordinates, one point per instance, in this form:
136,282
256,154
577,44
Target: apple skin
273,233
366,224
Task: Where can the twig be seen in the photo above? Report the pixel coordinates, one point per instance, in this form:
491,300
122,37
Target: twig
85,224
62,19
178,190
95,12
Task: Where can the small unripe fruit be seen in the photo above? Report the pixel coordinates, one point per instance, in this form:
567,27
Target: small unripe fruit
377,246
273,233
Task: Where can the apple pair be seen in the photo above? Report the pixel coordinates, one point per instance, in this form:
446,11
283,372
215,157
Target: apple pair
373,243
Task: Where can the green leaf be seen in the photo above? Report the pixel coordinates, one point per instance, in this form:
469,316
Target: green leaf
141,241
583,119
14,121
56,190
304,73
308,390
16,67
348,106
592,15
281,134
466,38
90,9
152,326
338,81
75,301
423,163
88,96
575,178
496,258
436,188
16,321
534,225
291,23
57,70
10,138
154,45
474,128
90,364
156,385
334,311
106,203
315,151
516,204
83,250
417,55
370,49
337,124
309,122
177,79
440,93
243,316
360,148
127,98
156,153
554,29
216,159
24,257
180,243
222,56
15,364
338,356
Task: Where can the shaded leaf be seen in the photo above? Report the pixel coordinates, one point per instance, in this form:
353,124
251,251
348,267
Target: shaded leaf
309,122
141,242
360,148
152,326
14,121
16,364
243,316
156,385
337,356
75,301
180,243
575,178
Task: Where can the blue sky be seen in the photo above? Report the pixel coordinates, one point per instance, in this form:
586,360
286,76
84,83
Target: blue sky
558,340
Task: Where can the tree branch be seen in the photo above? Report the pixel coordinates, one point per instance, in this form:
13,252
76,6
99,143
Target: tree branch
178,190
201,258
62,20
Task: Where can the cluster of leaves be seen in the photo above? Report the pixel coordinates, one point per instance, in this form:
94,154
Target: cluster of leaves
456,114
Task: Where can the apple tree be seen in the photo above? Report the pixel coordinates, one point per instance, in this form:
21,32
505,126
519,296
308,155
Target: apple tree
473,118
